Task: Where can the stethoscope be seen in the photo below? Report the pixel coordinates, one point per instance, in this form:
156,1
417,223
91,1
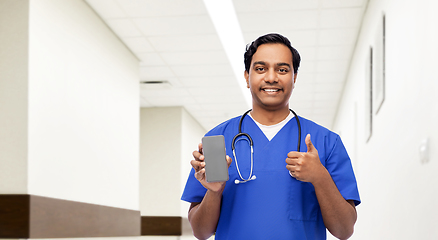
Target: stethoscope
248,138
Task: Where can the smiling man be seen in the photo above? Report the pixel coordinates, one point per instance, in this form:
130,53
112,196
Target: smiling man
298,193
271,78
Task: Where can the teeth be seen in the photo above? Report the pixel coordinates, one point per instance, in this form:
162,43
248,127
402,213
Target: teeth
270,90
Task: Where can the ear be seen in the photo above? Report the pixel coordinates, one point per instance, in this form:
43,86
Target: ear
295,80
246,75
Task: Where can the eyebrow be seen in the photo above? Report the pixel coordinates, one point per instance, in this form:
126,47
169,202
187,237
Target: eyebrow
283,64
258,62
278,64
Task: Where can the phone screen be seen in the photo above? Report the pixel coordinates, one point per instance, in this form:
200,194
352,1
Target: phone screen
216,167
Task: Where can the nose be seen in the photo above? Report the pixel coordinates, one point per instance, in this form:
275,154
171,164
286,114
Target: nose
271,76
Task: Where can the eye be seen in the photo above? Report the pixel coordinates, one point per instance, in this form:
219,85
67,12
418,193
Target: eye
283,70
259,69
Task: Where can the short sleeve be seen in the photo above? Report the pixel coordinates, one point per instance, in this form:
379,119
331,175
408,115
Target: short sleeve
338,164
193,191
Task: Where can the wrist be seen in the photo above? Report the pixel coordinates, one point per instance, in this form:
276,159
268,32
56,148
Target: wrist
216,191
322,177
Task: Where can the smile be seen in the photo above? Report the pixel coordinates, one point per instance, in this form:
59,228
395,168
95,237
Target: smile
270,90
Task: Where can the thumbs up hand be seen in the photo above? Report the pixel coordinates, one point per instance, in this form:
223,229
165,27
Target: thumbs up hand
306,166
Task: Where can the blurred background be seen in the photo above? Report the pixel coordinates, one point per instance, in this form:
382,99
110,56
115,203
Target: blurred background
103,101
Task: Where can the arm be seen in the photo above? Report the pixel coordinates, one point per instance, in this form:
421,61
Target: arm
204,216
338,214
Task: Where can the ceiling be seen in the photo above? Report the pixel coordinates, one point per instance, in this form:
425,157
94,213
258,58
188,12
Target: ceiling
177,44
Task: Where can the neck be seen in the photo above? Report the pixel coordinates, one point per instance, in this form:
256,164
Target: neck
269,117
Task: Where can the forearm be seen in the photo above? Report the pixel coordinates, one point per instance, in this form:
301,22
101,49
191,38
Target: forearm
205,216
338,214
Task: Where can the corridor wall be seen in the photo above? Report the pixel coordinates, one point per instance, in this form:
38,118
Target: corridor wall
396,183
168,136
69,123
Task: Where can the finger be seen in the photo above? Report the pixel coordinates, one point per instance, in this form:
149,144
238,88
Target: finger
294,168
198,156
229,160
200,148
294,154
197,165
292,161
200,175
290,168
310,147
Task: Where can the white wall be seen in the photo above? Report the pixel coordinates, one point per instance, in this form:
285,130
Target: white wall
14,26
74,95
168,136
398,191
160,161
192,133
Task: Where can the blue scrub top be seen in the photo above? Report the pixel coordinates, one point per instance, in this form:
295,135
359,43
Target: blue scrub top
275,205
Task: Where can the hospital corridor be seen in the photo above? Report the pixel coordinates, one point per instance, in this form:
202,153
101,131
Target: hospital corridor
103,103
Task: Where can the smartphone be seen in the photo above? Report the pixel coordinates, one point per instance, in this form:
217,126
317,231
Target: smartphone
216,167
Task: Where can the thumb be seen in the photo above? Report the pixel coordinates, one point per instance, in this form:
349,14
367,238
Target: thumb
310,147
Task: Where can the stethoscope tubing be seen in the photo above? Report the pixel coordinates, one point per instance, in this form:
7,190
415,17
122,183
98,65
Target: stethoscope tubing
248,138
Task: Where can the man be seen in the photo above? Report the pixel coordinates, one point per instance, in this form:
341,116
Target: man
297,194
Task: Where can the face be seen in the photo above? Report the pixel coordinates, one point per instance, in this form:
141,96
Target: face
271,77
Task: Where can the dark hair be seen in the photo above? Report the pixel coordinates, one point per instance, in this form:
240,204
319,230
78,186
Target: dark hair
271,38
